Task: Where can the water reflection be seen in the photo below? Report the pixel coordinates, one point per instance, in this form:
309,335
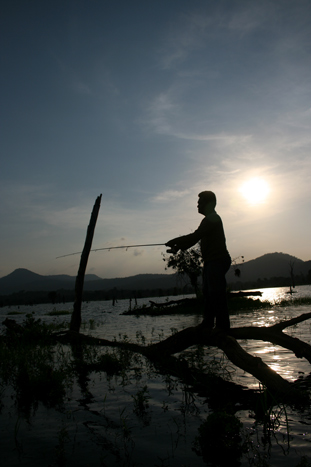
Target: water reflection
266,318
273,356
267,349
275,295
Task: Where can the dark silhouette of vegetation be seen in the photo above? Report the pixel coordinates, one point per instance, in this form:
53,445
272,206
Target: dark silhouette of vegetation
236,266
65,296
220,440
53,297
187,263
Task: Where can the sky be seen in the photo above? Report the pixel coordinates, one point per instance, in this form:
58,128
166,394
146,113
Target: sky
148,104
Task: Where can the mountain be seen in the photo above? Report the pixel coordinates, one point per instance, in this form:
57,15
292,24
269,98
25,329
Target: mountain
265,267
268,266
23,279
138,282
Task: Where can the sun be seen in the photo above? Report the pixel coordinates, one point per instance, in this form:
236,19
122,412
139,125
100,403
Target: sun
255,190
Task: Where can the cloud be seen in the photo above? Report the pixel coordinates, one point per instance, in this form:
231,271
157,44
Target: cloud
169,195
167,115
184,36
197,28
39,205
160,110
20,199
81,88
250,18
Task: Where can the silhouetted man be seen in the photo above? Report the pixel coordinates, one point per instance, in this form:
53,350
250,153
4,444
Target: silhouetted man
216,259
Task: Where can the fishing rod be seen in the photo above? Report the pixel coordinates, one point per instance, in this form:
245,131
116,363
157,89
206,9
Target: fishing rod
113,248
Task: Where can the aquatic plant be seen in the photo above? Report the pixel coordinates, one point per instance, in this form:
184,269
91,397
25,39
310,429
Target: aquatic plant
220,439
55,312
108,363
242,304
60,450
34,365
141,401
270,412
304,462
294,301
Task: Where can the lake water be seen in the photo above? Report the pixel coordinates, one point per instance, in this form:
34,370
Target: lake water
104,429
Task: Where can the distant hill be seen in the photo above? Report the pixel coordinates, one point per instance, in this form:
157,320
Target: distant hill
138,282
269,266
265,267
23,279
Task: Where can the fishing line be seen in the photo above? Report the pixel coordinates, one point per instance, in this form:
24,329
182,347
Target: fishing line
113,248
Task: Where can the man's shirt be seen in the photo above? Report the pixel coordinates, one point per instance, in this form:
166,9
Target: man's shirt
211,235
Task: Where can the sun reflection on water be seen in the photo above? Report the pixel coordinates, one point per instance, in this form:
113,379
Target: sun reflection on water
267,349
279,360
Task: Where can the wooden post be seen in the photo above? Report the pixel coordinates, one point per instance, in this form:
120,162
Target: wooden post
75,322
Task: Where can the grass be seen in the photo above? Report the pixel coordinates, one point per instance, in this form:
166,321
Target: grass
295,301
245,303
55,312
12,313
33,365
38,369
220,439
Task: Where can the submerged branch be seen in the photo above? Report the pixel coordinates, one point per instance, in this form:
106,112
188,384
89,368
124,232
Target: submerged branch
275,335
292,322
164,350
277,385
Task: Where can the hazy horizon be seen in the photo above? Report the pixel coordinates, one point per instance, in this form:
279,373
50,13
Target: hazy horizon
168,271
149,103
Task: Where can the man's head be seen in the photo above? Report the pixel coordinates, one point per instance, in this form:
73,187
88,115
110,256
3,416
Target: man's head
206,202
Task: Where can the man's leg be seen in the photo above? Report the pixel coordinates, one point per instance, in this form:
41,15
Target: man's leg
215,293
209,309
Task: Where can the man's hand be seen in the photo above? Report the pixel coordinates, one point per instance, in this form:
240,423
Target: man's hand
173,245
172,250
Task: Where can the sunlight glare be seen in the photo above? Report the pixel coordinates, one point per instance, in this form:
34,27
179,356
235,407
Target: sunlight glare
255,190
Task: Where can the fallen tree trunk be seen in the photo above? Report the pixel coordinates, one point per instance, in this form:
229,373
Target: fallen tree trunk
227,342
275,335
165,349
277,385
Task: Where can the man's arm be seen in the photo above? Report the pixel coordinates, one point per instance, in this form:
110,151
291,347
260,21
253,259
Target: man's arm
187,241
184,242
